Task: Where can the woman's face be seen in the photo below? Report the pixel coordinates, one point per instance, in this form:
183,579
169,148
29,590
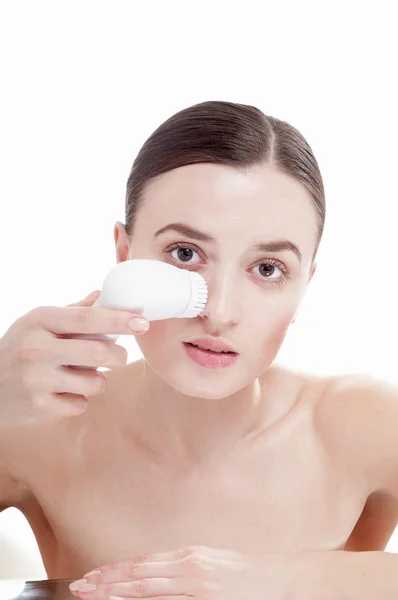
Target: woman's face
253,293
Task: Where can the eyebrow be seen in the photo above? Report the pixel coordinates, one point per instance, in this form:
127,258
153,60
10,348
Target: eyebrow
195,234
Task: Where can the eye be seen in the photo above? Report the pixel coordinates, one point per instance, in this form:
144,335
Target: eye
182,254
267,270
273,272
270,271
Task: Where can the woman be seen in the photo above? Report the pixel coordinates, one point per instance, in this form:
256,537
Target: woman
204,442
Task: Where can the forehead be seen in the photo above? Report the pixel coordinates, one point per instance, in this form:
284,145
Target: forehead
256,203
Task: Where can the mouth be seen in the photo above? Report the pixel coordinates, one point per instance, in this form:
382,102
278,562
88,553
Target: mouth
217,358
204,349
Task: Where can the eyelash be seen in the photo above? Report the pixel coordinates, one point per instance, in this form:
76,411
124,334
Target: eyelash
269,261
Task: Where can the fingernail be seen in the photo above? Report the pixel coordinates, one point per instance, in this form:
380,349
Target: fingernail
88,587
96,572
77,583
116,598
138,324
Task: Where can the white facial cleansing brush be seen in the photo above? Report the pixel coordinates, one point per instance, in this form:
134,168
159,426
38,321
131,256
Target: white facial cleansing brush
153,289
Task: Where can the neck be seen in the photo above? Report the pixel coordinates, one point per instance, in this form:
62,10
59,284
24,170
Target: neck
190,429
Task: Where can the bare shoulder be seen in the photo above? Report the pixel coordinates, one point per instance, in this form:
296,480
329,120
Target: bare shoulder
356,418
357,415
298,386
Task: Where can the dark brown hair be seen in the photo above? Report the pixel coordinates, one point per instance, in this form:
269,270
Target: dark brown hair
228,134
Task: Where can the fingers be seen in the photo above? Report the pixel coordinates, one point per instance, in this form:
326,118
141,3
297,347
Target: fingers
88,300
83,382
131,570
141,588
91,353
81,319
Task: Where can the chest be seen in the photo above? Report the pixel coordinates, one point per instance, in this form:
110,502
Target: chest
110,508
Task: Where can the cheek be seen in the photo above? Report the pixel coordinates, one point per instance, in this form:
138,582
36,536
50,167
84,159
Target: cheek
155,344
274,332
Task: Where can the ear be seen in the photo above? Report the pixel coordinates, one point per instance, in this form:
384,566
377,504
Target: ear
121,242
313,269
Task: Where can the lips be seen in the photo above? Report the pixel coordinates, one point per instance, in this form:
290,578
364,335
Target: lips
213,345
208,349
210,359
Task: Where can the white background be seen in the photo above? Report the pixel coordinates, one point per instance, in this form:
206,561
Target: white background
83,84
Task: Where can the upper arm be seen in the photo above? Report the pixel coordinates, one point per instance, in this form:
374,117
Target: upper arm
361,416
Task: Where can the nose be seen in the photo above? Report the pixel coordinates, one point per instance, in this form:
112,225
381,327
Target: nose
223,308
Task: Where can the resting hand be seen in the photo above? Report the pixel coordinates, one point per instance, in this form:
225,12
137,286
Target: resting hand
195,572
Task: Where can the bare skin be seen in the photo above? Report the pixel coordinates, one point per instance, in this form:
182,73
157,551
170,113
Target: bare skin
94,494
253,457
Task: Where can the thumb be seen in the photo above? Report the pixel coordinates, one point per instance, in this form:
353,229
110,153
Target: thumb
88,300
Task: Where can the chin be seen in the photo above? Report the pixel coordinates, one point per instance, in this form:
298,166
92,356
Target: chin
178,372
207,384
205,390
